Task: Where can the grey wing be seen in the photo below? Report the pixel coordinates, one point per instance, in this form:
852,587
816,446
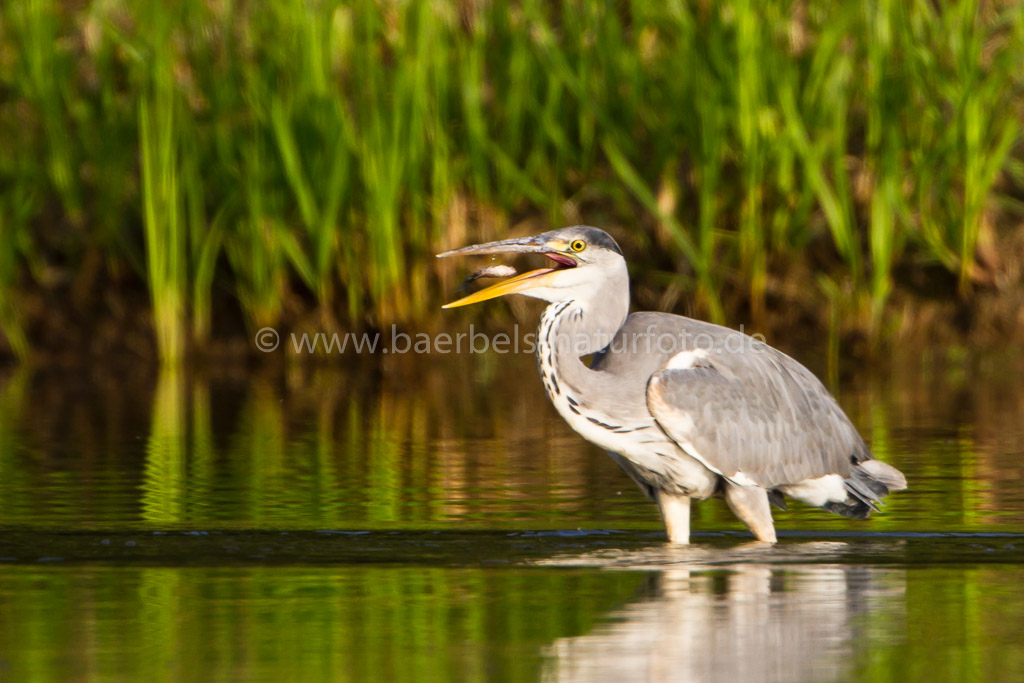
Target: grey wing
755,418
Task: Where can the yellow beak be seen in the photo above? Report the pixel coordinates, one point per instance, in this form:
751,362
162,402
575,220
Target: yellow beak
534,278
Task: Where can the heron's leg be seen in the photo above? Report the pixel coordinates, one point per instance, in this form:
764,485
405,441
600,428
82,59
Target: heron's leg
751,506
675,512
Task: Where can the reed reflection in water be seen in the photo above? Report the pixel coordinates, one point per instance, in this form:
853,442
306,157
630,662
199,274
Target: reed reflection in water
756,621
314,448
450,463
360,623
458,441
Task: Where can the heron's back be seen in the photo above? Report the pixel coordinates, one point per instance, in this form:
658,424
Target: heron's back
776,413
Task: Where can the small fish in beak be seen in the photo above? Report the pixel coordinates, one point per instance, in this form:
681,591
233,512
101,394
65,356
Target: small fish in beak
491,271
495,270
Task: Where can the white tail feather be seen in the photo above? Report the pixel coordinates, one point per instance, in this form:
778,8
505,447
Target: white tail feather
885,473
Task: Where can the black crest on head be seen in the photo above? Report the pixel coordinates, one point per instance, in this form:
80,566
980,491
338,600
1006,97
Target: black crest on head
599,238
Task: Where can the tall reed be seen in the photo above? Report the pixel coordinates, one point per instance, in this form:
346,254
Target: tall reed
164,230
313,153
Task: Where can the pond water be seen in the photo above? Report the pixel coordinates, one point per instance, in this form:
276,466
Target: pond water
436,520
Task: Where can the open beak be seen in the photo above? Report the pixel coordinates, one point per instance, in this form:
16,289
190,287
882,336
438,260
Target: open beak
519,283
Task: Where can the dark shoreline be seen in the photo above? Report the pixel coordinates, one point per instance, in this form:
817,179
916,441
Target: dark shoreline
116,321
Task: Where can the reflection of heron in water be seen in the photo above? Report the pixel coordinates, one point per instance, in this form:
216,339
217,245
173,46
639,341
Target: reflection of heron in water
740,623
686,408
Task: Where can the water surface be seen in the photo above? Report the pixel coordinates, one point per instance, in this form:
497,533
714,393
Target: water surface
438,521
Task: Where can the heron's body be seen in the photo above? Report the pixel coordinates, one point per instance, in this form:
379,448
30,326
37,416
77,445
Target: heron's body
621,422
686,408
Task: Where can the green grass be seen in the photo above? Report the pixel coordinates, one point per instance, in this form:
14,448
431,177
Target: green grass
314,152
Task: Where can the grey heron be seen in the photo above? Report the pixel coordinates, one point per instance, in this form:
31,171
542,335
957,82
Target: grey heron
688,409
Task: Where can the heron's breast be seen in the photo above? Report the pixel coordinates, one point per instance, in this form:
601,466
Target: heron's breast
659,460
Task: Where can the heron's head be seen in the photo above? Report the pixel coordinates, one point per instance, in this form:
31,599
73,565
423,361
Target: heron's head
587,261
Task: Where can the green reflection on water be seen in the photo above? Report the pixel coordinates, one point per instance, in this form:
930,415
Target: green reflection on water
342,448
431,623
443,448
958,624
164,486
297,624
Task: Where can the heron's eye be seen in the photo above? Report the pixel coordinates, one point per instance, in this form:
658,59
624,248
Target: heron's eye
578,245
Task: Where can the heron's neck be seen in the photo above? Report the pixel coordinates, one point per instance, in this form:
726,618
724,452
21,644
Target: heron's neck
572,329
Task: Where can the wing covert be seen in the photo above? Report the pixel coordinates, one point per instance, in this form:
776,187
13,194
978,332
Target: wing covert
756,418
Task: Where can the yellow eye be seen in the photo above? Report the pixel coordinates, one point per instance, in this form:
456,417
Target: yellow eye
578,245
